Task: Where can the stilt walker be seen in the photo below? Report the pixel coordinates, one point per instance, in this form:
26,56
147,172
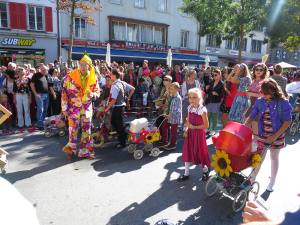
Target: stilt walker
79,88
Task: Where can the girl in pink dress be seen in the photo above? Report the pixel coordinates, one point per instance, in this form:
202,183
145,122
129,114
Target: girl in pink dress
195,149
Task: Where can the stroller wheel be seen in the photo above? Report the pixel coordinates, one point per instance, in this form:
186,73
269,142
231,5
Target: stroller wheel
138,154
3,171
62,133
48,134
211,186
293,128
148,147
239,201
253,192
155,152
131,148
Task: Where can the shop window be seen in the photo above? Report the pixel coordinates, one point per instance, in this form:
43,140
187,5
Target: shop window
162,6
256,46
80,27
35,18
3,15
184,39
139,3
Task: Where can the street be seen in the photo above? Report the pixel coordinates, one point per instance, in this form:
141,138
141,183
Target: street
115,189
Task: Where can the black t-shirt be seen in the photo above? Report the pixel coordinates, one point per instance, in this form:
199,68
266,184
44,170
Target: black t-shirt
41,83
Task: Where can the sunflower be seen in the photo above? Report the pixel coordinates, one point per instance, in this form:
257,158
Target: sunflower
221,163
255,160
156,136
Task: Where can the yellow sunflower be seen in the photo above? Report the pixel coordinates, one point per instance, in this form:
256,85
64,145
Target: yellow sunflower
156,136
221,163
255,160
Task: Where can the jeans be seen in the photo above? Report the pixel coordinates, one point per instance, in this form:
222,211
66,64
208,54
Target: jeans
22,103
42,102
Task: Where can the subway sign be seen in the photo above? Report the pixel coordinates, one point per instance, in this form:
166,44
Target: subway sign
18,41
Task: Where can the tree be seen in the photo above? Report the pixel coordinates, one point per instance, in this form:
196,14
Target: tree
284,24
228,18
86,8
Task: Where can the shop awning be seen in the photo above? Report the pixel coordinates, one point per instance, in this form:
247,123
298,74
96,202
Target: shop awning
132,55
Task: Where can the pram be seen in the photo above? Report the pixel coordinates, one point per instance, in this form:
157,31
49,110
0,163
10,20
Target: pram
55,125
235,152
140,132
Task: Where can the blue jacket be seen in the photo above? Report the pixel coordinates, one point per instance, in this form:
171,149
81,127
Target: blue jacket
280,111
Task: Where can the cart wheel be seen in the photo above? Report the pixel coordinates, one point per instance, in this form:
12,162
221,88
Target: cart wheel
131,148
148,147
253,192
62,133
48,134
239,201
293,128
155,152
138,154
211,186
98,140
3,171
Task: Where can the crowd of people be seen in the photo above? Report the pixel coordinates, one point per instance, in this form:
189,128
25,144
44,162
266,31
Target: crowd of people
190,98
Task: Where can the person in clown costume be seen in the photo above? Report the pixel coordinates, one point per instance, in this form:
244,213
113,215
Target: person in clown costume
79,88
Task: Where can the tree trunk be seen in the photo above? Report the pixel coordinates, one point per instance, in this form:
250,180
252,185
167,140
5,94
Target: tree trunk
241,43
71,35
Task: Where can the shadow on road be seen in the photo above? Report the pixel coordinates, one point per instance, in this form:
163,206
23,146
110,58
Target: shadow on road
188,195
45,155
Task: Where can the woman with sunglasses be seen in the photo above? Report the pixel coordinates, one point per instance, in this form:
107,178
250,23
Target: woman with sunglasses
241,77
260,72
215,93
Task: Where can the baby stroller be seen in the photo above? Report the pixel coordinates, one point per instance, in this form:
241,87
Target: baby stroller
140,132
55,125
234,153
102,132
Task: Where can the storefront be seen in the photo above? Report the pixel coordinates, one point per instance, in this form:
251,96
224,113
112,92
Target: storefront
24,50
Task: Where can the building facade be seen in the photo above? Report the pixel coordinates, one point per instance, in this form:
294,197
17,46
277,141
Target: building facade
146,29
28,31
281,54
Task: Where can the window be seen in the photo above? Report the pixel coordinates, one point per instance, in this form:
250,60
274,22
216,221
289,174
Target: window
133,32
228,44
162,6
147,34
116,2
139,3
256,46
184,39
80,27
3,15
118,31
158,35
35,18
211,41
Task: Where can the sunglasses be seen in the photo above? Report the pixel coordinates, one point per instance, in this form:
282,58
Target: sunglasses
259,69
166,80
215,74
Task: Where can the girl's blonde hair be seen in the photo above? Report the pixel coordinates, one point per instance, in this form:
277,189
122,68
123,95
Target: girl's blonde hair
198,92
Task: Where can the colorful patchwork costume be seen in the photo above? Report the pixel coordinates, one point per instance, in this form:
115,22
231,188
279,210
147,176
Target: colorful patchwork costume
76,101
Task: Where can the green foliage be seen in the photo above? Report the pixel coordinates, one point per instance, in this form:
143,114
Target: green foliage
286,27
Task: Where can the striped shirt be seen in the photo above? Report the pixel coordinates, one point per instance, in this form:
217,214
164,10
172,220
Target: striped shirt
175,110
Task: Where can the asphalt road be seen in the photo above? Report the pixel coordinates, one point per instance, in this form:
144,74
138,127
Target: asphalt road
115,189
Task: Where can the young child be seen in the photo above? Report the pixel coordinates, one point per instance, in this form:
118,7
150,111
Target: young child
173,118
274,117
195,149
